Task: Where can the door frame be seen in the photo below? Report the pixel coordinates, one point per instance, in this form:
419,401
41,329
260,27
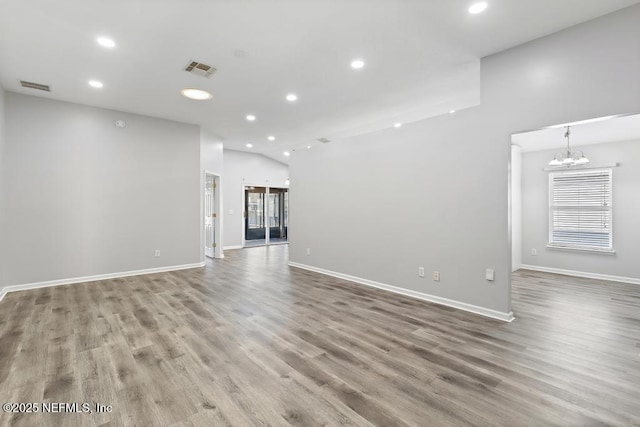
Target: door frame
283,187
244,212
218,252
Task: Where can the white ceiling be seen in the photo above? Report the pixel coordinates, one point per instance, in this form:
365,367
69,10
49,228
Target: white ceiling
422,58
614,129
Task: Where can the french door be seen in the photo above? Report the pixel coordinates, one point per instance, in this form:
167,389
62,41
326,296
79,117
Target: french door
266,215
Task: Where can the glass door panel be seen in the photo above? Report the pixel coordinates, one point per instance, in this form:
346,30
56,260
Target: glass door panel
278,214
255,229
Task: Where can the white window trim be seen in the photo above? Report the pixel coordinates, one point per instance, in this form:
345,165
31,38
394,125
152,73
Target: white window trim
582,249
577,248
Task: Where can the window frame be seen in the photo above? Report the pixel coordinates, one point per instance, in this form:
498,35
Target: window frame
577,247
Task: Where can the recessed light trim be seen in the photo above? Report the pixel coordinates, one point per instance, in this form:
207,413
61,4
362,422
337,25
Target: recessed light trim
308,146
271,138
292,97
249,145
286,153
251,117
357,64
479,7
96,84
106,42
397,125
196,94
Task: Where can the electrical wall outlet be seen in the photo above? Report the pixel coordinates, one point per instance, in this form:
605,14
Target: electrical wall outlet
157,253
436,276
420,271
490,274
534,252
308,251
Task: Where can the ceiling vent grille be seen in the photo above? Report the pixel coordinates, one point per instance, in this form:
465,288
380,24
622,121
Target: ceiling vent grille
324,140
199,69
32,85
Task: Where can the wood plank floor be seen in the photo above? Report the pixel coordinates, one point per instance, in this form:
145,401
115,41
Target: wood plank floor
250,341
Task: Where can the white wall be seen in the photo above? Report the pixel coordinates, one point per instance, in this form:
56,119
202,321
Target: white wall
626,212
211,160
390,201
516,207
84,197
241,168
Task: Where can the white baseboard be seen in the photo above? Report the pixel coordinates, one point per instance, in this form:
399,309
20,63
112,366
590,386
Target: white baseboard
15,288
226,248
505,317
584,274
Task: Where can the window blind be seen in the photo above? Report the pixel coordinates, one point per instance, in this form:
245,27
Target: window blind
580,209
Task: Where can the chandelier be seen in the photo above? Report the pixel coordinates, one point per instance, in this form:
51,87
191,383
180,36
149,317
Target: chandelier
569,158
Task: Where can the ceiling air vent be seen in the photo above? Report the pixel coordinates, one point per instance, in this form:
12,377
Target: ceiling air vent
324,140
200,69
38,86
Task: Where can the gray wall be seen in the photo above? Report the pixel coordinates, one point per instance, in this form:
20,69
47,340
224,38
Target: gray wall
84,197
626,211
211,152
435,193
2,143
252,169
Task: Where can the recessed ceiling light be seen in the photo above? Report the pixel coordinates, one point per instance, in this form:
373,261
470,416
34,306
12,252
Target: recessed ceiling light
251,117
356,64
271,138
308,146
197,94
286,153
397,125
106,42
452,111
95,83
249,145
478,7
292,97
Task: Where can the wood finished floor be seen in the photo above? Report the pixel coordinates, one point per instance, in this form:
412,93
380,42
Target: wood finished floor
250,341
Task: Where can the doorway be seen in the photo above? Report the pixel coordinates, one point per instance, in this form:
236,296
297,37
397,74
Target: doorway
266,216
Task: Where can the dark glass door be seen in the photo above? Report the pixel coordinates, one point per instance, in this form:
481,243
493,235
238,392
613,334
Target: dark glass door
278,215
254,216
